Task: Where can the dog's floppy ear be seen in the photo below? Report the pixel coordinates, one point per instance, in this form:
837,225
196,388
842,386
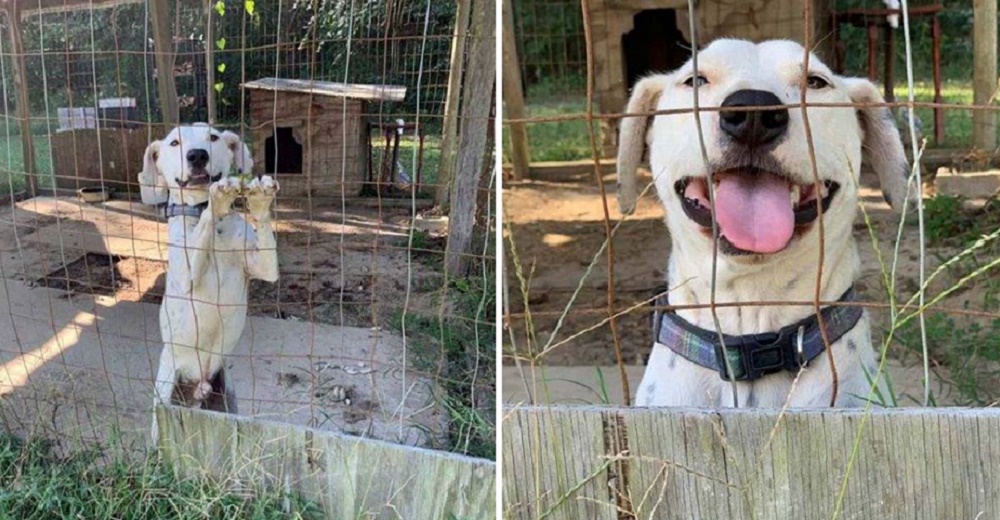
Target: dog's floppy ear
152,185
632,138
881,146
241,152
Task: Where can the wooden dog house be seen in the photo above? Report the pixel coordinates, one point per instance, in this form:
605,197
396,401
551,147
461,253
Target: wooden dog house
313,135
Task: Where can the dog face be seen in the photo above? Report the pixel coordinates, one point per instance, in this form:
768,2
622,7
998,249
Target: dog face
759,159
182,165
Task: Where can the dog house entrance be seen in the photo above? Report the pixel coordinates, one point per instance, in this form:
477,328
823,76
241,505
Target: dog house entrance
282,153
654,45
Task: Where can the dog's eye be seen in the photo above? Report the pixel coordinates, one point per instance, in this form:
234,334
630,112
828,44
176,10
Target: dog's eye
702,81
816,82
175,142
214,138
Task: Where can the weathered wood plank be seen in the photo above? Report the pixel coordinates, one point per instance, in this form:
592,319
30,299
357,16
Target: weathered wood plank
513,97
348,477
686,464
984,72
452,104
21,96
479,84
327,88
553,464
159,13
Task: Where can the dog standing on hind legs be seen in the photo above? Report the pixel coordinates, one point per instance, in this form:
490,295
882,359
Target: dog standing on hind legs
213,253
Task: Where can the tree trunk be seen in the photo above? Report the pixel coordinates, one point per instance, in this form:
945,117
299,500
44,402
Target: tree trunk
477,91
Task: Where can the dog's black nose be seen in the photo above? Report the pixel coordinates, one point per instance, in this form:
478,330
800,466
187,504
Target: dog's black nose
197,157
753,127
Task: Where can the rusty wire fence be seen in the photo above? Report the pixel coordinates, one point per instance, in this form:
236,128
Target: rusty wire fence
348,106
583,280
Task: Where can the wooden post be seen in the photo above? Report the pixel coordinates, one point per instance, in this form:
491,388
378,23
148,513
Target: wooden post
478,91
513,96
938,98
21,97
209,64
984,75
872,51
452,106
164,59
888,62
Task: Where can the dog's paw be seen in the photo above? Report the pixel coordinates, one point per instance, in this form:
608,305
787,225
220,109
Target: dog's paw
223,193
260,194
201,391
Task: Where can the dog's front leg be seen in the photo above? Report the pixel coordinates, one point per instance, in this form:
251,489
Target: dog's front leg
262,260
163,386
222,194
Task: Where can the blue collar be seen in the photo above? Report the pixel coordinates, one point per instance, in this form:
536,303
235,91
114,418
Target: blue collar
753,356
184,210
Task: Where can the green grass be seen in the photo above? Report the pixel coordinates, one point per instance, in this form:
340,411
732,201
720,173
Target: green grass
560,140
967,348
957,123
12,177
36,484
407,159
947,221
451,346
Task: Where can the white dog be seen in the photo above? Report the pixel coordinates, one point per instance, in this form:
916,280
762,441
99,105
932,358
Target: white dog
213,254
766,210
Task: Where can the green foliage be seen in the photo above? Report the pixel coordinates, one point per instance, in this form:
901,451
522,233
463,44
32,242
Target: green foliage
944,218
558,140
957,123
367,41
948,222
967,347
968,350
36,484
460,345
551,45
77,57
12,178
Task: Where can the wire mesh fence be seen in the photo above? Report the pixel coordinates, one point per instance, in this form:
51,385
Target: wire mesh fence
342,103
606,305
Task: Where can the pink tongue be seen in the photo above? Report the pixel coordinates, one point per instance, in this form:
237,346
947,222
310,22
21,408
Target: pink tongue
755,212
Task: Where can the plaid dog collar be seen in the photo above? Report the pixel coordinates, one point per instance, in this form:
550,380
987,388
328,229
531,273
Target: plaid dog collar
753,356
184,210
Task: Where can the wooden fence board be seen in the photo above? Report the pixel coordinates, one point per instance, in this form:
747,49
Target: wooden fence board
348,477
686,463
553,479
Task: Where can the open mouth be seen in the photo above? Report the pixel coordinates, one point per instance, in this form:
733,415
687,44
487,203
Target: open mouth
757,211
198,177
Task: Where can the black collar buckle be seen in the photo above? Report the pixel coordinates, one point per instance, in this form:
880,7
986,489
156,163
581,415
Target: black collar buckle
756,355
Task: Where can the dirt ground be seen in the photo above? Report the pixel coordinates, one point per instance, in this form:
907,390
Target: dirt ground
556,226
319,349
357,281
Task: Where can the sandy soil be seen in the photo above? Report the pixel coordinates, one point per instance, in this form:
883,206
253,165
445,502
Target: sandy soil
557,227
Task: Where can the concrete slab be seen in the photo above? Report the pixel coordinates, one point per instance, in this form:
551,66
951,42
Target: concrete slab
576,385
971,185
81,367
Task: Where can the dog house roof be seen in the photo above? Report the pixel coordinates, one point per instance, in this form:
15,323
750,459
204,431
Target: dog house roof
326,88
